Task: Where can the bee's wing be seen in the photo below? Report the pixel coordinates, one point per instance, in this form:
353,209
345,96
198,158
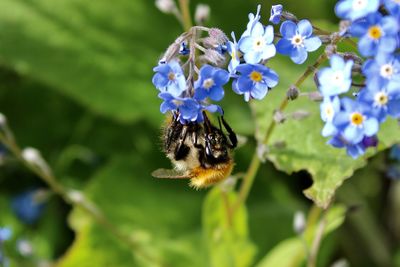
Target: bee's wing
169,174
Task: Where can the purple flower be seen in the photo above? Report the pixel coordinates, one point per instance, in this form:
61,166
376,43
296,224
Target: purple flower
210,83
354,150
170,78
354,121
276,12
376,33
336,79
355,9
297,40
254,81
258,45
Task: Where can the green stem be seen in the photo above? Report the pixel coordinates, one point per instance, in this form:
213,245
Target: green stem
185,11
316,243
251,173
7,138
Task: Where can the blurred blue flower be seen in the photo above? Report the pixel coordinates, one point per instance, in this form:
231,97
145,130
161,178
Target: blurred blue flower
329,107
169,78
354,121
382,101
28,206
393,171
395,152
276,12
210,83
5,234
335,79
258,45
233,49
254,81
355,9
376,33
381,70
297,40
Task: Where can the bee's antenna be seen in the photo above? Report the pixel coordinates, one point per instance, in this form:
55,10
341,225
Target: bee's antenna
207,122
219,122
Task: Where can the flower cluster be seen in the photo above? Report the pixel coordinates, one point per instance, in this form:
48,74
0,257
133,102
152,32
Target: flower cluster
354,122
246,68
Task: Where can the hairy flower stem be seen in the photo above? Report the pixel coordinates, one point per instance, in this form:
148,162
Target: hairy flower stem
72,197
255,161
313,252
185,11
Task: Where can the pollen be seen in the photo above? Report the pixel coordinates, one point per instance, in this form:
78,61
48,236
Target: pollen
386,71
356,118
255,76
329,112
171,76
381,98
208,83
297,40
375,32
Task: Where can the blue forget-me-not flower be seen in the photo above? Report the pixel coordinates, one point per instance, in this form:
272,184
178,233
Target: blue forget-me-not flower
355,9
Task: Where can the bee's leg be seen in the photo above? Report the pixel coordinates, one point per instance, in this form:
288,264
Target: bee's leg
231,134
172,132
181,149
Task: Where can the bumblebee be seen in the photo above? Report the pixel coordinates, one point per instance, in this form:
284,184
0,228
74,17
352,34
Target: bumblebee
200,152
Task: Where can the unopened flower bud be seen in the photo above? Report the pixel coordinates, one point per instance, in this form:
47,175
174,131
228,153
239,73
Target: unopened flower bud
299,222
262,152
289,16
330,50
292,93
218,36
279,117
202,14
31,155
24,247
3,120
213,57
300,114
315,96
166,6
344,25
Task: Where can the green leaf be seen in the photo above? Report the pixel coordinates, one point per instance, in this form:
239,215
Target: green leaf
305,148
226,233
97,53
292,251
161,218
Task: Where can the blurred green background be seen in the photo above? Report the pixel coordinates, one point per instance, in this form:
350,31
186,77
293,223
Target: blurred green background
75,83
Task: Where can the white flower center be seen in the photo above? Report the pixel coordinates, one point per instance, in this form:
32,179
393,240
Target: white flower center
297,40
258,43
386,71
337,78
359,4
381,99
208,83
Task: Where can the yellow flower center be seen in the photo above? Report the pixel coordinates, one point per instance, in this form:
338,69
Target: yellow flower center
258,44
356,118
381,98
208,83
329,112
396,1
375,32
171,76
255,76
